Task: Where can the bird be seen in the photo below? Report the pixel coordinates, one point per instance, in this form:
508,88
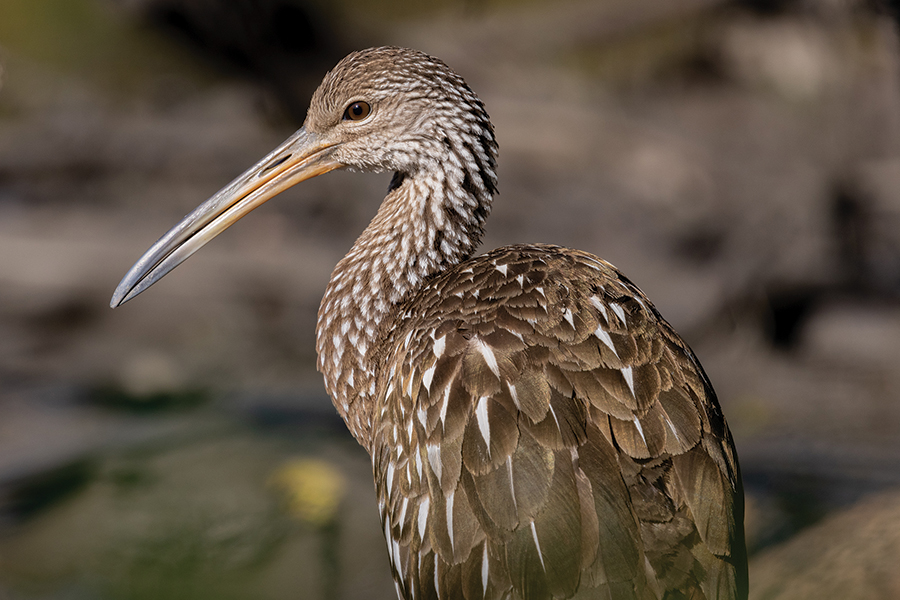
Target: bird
537,429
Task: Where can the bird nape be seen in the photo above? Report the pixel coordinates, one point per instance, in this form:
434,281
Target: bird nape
537,429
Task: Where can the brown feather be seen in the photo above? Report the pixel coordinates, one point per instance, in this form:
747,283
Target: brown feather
558,529
704,488
494,500
532,430
499,428
532,394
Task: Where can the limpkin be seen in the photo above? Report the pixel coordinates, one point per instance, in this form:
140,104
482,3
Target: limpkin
537,430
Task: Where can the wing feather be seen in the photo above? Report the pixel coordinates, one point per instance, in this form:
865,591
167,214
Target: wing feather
552,437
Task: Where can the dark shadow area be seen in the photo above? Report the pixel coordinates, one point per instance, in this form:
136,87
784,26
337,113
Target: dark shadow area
28,496
283,44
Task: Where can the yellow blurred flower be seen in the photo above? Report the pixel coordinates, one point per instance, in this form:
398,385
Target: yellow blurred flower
312,489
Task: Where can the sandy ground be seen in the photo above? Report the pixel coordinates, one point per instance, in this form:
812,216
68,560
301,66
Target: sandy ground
742,168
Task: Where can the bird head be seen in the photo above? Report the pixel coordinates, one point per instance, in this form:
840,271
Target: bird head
382,109
395,109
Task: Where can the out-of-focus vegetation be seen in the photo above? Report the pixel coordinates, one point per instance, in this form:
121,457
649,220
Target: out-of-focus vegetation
90,40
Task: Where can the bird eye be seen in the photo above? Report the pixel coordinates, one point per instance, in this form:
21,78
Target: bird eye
357,111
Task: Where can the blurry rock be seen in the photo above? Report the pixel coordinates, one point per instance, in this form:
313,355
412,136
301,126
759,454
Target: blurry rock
150,381
874,191
859,334
881,179
151,373
852,555
797,59
666,174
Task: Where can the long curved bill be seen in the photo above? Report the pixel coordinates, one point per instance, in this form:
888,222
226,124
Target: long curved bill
302,156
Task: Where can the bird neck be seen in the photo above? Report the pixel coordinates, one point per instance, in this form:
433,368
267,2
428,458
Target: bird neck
427,223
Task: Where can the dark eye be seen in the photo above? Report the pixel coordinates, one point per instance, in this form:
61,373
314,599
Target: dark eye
357,111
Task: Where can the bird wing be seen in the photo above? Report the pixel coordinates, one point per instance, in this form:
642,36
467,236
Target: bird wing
544,433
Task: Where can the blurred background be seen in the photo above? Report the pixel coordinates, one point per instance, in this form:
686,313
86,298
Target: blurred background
739,160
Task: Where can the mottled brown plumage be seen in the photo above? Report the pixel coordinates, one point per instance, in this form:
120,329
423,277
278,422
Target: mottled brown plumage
553,412
537,429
